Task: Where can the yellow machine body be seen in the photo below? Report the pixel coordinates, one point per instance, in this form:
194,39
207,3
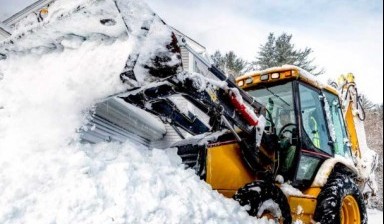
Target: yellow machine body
226,170
224,162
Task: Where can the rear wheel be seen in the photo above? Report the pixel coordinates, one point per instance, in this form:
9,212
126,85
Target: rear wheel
265,200
340,202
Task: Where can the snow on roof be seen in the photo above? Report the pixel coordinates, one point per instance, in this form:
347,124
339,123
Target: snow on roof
270,70
303,74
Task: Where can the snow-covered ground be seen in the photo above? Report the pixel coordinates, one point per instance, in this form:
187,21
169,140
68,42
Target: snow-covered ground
47,176
375,216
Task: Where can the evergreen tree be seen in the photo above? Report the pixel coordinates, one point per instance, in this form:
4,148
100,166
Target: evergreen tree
267,55
280,51
218,60
230,63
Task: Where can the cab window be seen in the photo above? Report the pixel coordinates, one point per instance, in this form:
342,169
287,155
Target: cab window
340,146
279,101
313,120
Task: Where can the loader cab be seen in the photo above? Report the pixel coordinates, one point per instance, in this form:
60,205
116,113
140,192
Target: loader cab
305,115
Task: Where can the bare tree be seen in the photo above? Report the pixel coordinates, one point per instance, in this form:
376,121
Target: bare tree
366,103
374,132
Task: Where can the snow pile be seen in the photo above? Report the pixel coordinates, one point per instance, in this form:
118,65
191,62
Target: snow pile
109,183
46,176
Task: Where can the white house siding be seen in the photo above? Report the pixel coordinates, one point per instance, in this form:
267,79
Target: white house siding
185,58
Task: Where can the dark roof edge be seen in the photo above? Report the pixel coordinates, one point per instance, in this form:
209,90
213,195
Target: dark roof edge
4,29
178,31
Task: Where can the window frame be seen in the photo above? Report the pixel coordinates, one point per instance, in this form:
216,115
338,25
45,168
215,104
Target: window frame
343,124
303,148
304,135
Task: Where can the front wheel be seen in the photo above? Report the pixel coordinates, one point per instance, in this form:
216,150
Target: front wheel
265,200
340,202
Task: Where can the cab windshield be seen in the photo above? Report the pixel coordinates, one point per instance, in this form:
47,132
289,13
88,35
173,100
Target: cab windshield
278,101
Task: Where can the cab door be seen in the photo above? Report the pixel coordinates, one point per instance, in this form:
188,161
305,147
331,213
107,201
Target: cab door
316,144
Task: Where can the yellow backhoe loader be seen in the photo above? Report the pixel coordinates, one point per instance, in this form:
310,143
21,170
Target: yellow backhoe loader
277,140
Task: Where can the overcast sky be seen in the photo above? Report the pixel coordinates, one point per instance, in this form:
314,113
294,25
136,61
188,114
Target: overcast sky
10,7
345,35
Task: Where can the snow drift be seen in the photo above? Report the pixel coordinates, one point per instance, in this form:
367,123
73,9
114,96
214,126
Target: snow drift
47,176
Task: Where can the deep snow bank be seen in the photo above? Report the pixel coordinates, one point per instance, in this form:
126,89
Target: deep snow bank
46,176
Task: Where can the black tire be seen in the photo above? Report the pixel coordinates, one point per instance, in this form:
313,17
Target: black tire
256,193
330,200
